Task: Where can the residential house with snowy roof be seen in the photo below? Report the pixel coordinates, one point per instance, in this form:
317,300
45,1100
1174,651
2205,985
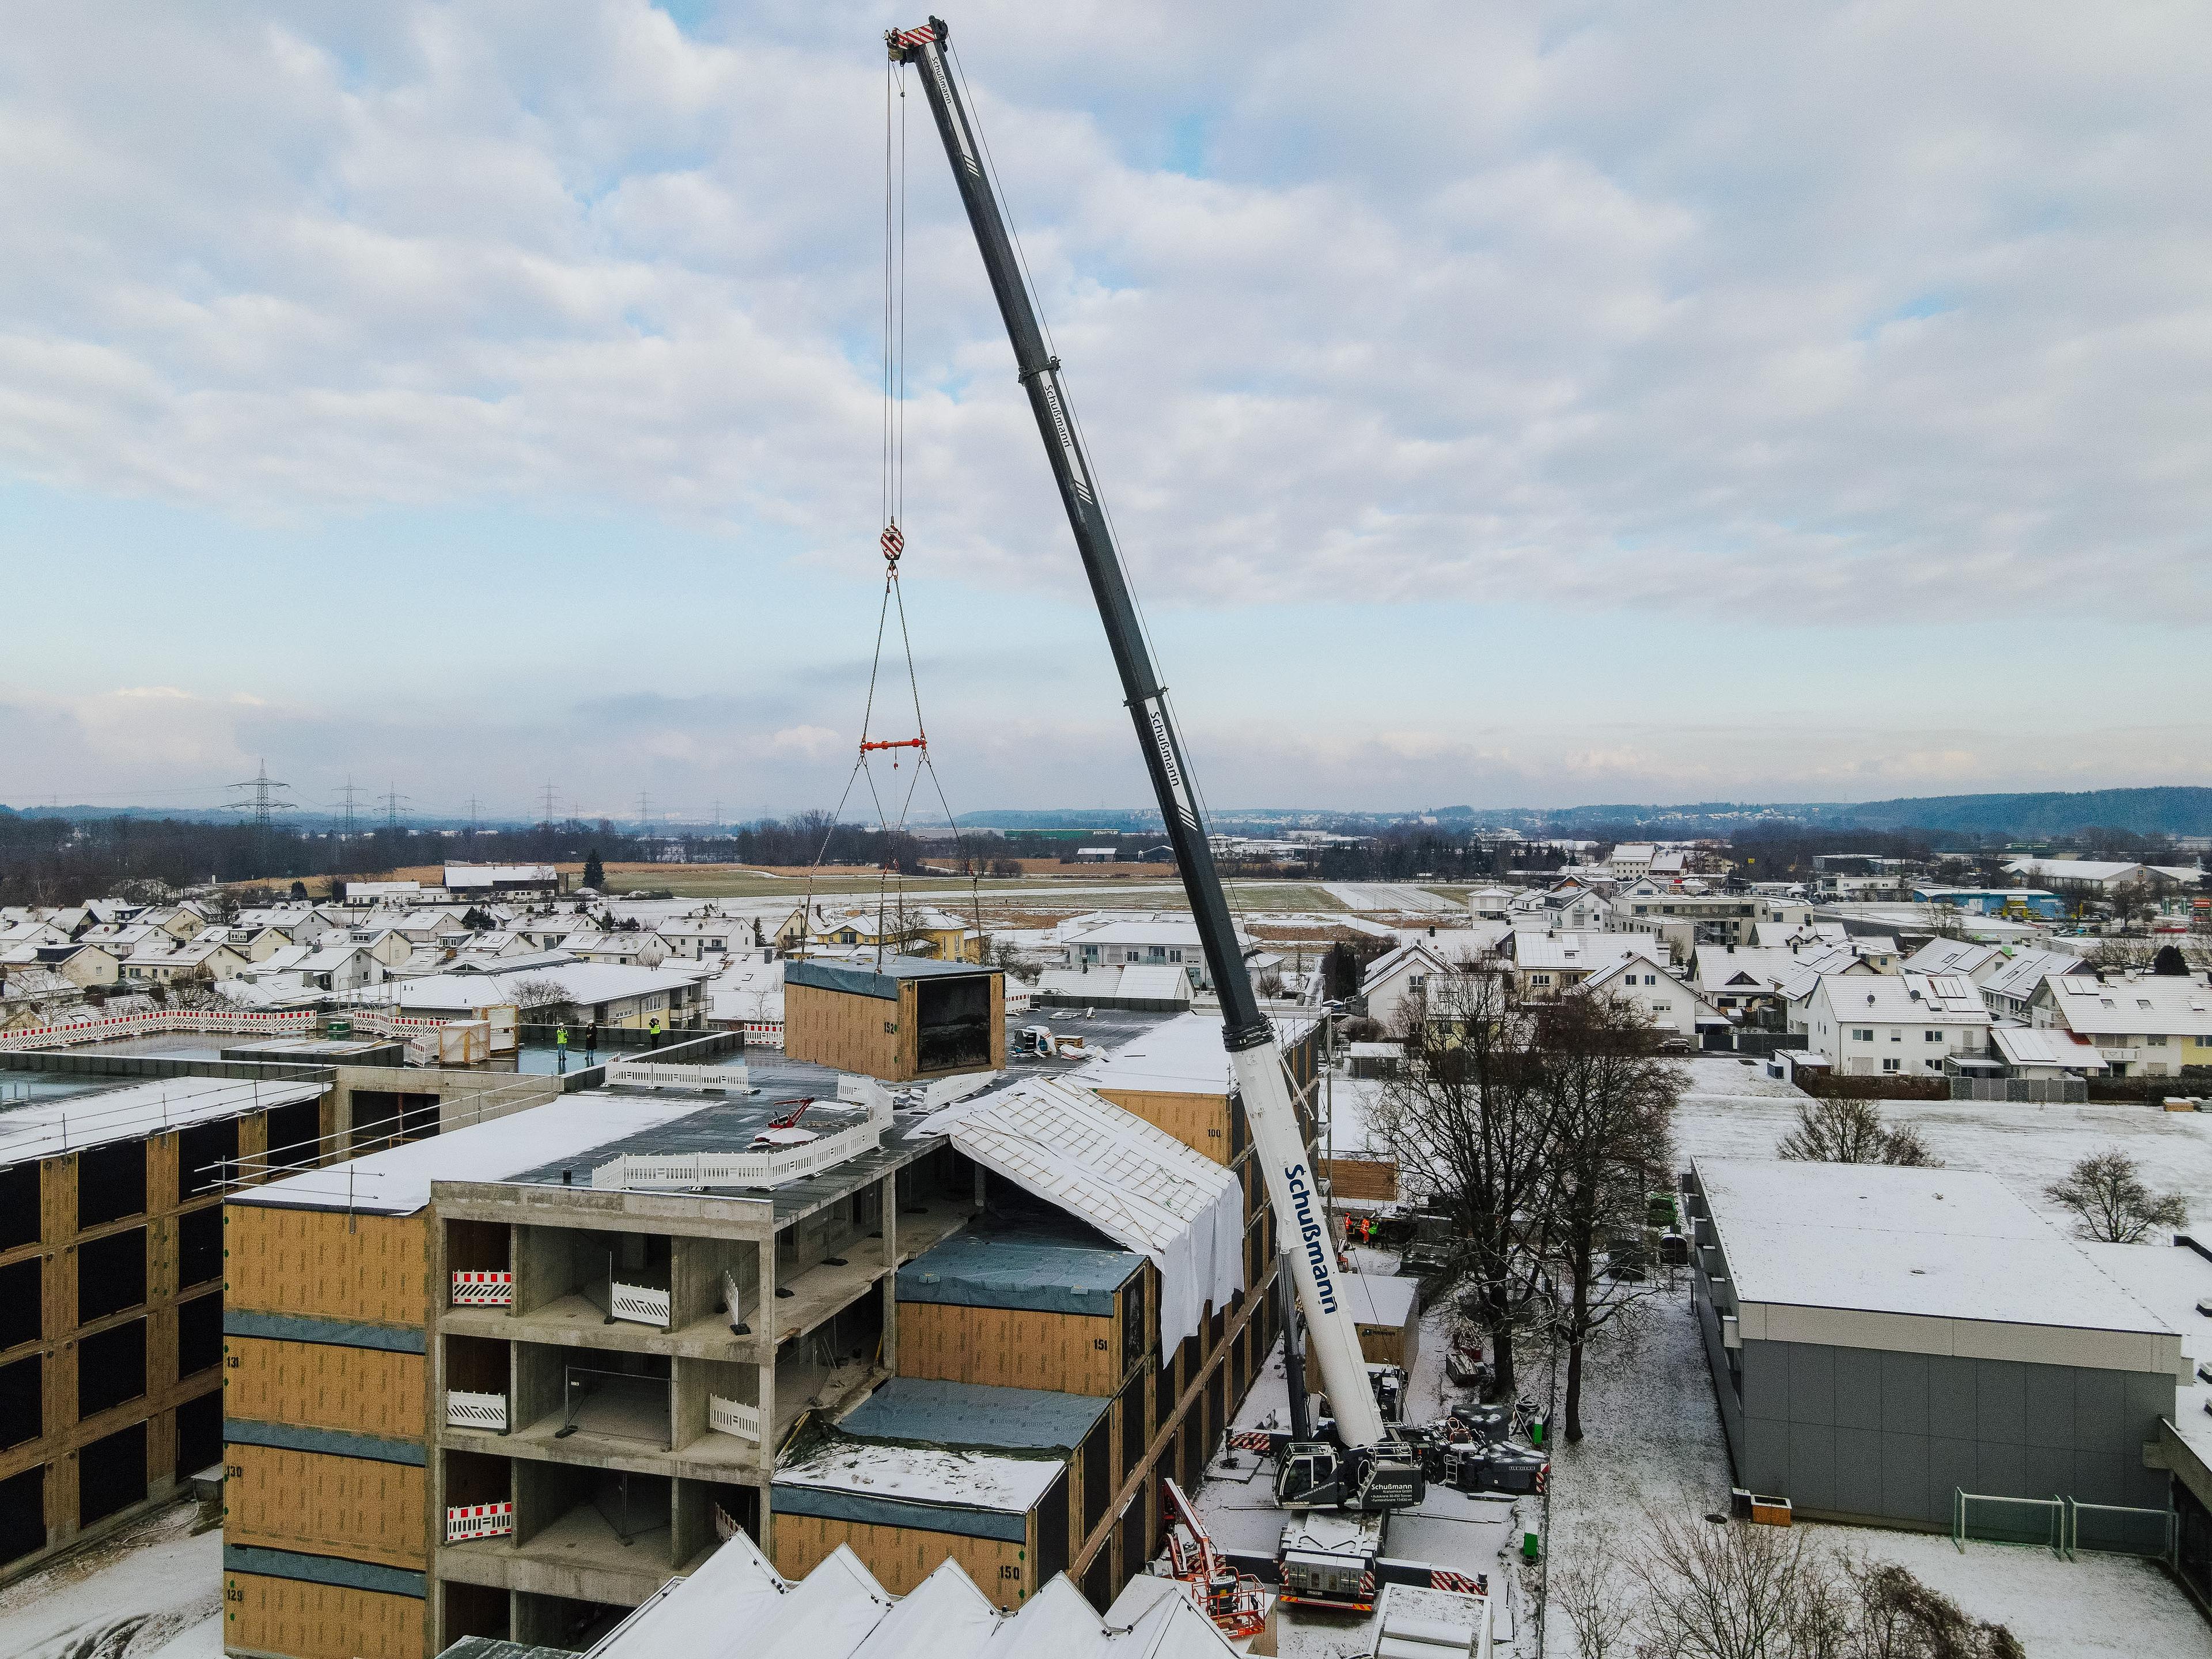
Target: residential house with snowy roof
2142,1024
1868,1024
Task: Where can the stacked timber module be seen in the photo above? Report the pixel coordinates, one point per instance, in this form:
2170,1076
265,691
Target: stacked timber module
110,1312
904,1020
1030,1349
325,1535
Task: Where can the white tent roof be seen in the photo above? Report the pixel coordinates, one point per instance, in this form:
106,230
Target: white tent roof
1139,1185
736,1606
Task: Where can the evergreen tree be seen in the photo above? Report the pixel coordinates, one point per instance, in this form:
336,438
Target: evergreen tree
595,874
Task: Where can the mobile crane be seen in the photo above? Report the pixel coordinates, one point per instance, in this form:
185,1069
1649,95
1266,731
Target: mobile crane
1367,1469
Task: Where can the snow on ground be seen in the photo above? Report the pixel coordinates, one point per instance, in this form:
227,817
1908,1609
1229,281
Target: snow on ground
1730,1109
1389,895
152,1589
1654,1436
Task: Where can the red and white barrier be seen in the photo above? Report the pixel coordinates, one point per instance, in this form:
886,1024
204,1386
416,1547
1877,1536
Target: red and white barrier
478,1521
483,1290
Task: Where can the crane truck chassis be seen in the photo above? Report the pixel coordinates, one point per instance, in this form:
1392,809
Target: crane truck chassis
1369,1469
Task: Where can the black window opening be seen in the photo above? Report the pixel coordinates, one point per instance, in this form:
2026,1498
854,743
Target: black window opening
207,1156
22,1302
294,1135
199,1245
111,1368
111,1474
18,1205
199,1334
111,1275
384,1118
1098,1578
953,1021
1098,1473
22,1400
1132,1320
1052,1533
1130,1408
199,1434
23,1514
110,1182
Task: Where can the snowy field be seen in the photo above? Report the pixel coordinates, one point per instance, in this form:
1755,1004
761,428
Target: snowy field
1733,1110
152,1589
1390,896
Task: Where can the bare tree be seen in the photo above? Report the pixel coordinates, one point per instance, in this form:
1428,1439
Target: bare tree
2118,954
1586,1588
1723,1592
1750,1592
1467,1116
540,995
1852,1132
2110,1203
1611,1104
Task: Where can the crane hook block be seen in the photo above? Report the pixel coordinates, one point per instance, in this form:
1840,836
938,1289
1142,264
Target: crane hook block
894,544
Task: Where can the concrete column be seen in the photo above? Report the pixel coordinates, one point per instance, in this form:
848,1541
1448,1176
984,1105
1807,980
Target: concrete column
887,1212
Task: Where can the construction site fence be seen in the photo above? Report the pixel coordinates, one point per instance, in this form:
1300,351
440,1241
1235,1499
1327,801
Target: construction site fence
118,1027
2022,1090
2062,1525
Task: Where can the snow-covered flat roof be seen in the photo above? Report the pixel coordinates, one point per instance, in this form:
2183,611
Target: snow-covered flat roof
50,1128
397,1181
1375,1299
1935,1243
1179,1056
922,1474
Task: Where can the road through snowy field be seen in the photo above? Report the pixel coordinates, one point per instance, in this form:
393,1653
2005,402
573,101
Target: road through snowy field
152,1589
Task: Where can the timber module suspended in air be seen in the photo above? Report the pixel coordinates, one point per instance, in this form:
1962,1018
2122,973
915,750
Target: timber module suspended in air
1368,1468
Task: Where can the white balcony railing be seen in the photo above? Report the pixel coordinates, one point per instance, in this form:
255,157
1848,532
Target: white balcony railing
468,1410
728,1417
642,1304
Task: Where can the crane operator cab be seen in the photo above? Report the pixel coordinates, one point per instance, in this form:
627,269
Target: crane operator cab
1316,1475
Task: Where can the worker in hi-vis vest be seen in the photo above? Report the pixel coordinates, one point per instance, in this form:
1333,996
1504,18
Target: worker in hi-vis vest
560,1046
653,1026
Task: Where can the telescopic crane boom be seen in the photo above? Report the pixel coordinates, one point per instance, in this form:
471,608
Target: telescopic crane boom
1373,1475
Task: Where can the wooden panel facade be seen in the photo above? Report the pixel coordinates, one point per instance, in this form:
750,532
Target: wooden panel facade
1011,1347
902,1557
322,1386
318,1622
836,1028
1200,1121
327,1264
876,1036
1368,1179
324,1505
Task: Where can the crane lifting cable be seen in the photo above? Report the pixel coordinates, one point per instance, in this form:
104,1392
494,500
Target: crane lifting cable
893,927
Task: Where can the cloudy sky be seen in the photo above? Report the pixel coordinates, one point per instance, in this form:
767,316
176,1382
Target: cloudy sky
1502,404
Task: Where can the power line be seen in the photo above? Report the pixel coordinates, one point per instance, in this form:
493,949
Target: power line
263,802
351,790
546,821
392,802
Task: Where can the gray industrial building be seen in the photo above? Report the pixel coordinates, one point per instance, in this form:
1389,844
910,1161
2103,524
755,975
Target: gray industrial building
1883,1338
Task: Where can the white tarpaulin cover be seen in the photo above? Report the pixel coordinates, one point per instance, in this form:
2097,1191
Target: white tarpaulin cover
1138,1185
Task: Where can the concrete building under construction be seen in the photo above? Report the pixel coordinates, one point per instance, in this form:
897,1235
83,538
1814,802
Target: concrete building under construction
507,1381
